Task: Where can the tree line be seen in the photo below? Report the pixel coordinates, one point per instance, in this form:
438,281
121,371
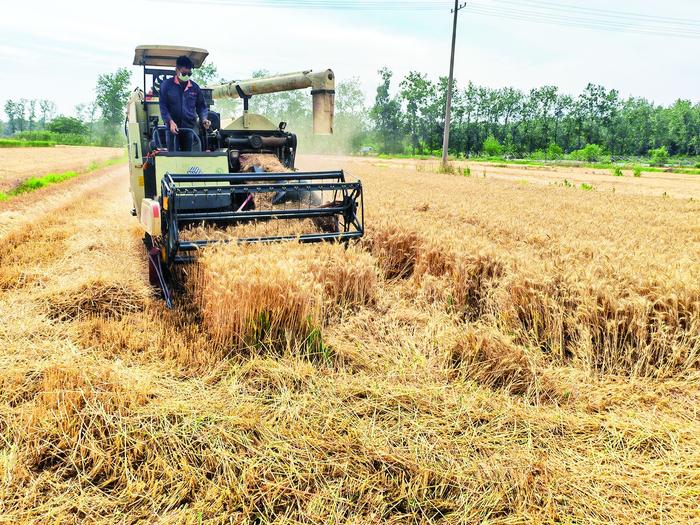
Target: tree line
28,115
96,122
519,123
407,117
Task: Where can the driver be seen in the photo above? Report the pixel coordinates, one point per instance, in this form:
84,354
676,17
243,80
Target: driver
181,101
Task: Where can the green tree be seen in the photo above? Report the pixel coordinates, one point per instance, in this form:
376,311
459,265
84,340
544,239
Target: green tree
587,125
20,109
11,112
31,117
47,109
349,98
415,91
112,95
62,124
87,113
288,106
206,74
386,114
466,114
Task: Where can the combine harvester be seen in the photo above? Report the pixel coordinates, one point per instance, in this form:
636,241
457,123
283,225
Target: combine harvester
172,191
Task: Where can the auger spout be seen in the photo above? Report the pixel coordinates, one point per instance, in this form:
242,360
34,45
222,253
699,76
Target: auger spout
322,86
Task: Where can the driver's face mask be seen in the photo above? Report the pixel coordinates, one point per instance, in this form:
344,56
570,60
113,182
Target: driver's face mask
184,76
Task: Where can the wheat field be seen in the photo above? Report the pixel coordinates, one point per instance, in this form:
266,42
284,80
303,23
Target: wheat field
492,351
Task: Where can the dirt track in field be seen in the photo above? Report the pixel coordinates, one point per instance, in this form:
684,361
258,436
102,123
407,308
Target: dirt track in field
27,208
650,183
18,164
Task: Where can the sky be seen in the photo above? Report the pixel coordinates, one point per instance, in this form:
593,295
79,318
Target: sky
55,49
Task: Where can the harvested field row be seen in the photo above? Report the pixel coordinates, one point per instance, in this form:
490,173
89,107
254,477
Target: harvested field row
18,164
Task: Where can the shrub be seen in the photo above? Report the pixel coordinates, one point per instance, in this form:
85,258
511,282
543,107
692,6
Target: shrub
71,139
538,154
102,135
659,156
492,147
70,125
554,152
617,172
589,153
34,135
587,187
637,172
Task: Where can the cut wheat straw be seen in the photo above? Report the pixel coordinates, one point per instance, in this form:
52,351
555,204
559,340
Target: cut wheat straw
267,162
526,355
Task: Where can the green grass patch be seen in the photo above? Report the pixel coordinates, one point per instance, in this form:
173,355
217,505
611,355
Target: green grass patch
407,156
671,169
35,183
587,187
14,143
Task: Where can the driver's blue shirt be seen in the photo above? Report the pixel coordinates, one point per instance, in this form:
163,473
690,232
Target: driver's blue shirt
182,103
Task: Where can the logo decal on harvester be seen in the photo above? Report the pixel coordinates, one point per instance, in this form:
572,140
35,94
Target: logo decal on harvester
194,170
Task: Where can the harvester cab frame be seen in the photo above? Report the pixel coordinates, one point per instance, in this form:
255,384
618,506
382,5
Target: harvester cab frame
173,191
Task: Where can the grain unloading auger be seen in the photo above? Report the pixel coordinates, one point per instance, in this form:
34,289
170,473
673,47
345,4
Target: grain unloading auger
210,186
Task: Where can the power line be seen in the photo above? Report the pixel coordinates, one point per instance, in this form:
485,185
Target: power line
603,12
604,24
538,11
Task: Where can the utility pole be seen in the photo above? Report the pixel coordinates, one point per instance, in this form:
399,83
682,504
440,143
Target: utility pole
450,83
